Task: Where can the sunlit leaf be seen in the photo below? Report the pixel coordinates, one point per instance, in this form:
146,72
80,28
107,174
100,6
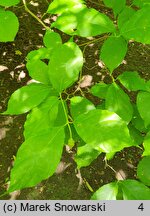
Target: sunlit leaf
103,130
65,73
137,27
37,158
119,102
113,52
143,170
61,6
8,3
52,40
80,105
9,25
132,81
26,98
134,190
106,192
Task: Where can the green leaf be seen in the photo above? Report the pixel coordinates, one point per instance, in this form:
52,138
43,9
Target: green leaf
80,105
143,105
141,3
26,98
136,135
61,6
41,53
119,102
8,3
137,27
37,158
117,6
100,90
92,23
52,40
103,130
65,73
113,52
106,192
42,117
38,70
137,121
9,26
132,81
125,15
134,190
146,145
85,155
143,170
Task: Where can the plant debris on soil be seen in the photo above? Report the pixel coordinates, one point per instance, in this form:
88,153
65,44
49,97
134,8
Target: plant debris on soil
66,183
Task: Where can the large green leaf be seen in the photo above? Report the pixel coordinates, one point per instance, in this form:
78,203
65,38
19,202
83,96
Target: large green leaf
100,90
132,81
85,155
138,28
141,3
134,190
41,117
106,192
52,39
143,105
113,52
103,130
124,16
146,145
8,3
65,65
37,158
136,135
119,102
87,22
61,6
9,25
92,23
117,6
26,98
80,105
143,170
41,53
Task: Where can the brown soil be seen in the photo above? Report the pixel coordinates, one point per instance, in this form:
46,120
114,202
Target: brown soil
64,184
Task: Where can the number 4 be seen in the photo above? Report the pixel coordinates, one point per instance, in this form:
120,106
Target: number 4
141,207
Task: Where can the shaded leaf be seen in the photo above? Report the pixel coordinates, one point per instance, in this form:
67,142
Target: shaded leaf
146,145
100,90
85,155
136,135
106,192
143,105
125,15
137,27
37,158
143,170
113,52
119,102
132,81
117,6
